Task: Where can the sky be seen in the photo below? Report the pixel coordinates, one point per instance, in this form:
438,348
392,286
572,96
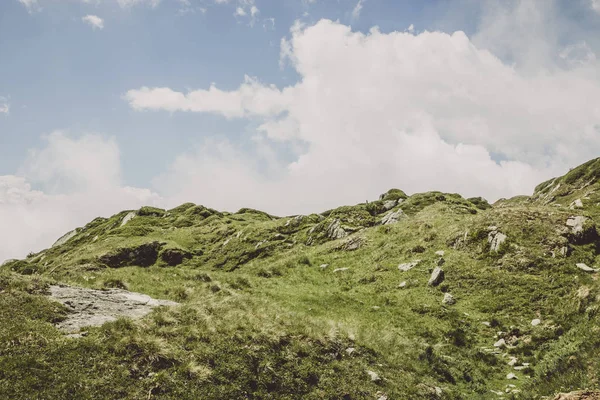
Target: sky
288,106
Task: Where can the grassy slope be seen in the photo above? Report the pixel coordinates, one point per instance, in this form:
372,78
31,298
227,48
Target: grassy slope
260,318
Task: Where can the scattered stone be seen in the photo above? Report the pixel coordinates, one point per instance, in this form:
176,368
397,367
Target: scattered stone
408,266
486,323
500,343
402,284
536,322
448,299
512,362
393,217
65,238
335,230
128,218
374,376
340,269
88,307
576,204
350,350
511,376
381,396
437,277
440,253
323,266
585,268
375,308
520,367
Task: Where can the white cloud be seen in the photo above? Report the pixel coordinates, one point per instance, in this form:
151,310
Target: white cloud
240,12
357,9
371,111
31,5
130,3
595,4
79,179
4,106
94,21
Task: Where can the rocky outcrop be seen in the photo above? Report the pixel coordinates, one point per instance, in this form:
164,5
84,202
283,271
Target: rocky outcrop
141,256
495,238
173,257
88,307
128,218
335,230
393,217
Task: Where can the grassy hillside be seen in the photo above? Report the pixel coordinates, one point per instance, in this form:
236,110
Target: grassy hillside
316,306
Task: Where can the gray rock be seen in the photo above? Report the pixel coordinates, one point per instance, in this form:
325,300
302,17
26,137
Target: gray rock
323,266
88,307
350,350
437,277
340,269
585,268
393,217
335,230
511,376
576,204
374,376
65,238
448,299
128,218
389,204
495,239
440,253
536,322
408,266
576,223
402,284
500,343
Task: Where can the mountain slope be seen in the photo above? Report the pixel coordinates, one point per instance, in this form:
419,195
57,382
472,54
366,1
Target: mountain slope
347,304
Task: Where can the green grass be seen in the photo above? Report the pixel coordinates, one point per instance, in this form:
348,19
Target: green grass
260,318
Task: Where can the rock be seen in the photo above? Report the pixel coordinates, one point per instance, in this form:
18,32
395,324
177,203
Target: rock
374,376
585,268
448,299
173,257
495,239
520,367
576,204
353,243
88,307
486,323
500,343
65,238
142,256
440,253
513,361
576,223
381,396
437,277
393,217
128,218
536,322
350,350
389,204
323,265
511,376
340,269
402,284
579,395
408,266
335,230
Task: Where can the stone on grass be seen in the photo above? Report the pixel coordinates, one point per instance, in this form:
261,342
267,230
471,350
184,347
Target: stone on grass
323,265
335,230
374,376
440,253
408,266
448,299
500,343
511,376
576,223
393,217
65,238
585,268
128,218
437,277
536,322
576,204
495,239
402,284
340,269
389,204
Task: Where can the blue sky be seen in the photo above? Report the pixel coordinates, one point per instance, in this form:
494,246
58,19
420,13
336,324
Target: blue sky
291,106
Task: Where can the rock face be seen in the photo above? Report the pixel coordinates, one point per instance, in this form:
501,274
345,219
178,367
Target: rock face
173,257
335,230
142,256
393,217
437,277
88,307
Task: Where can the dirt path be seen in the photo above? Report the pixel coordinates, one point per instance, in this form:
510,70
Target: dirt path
89,307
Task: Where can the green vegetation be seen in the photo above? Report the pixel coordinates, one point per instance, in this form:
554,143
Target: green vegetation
315,307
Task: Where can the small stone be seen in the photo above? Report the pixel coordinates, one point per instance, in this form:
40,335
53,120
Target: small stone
402,284
511,376
381,396
500,343
408,266
520,367
437,277
536,322
340,269
486,323
374,376
392,217
440,253
576,204
512,362
448,299
323,265
350,350
585,268
375,308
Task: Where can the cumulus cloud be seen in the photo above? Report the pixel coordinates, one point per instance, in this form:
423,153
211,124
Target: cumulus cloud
4,106
357,9
371,111
78,179
94,21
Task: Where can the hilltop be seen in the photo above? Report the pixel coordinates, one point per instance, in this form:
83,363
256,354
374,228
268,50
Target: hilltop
428,296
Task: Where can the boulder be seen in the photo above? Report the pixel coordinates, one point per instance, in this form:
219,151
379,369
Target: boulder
393,217
389,204
335,230
437,277
495,239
